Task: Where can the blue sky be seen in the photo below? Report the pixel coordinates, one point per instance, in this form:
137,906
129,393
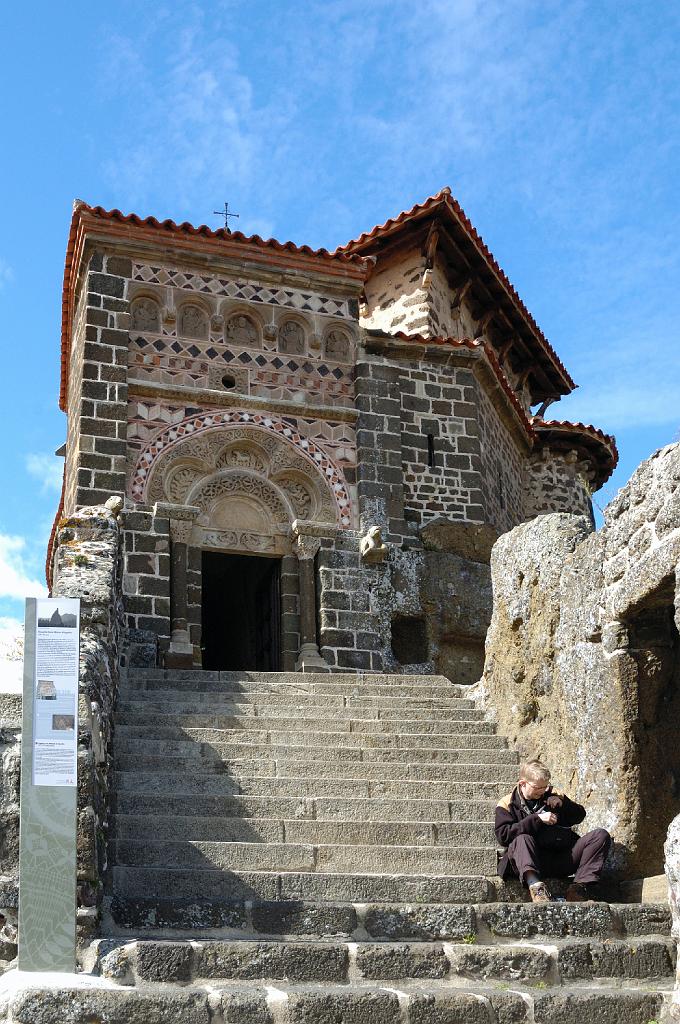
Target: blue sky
556,124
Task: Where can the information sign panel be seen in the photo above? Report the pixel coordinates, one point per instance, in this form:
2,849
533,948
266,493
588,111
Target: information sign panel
49,751
55,709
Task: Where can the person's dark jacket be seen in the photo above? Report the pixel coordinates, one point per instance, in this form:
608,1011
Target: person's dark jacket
512,819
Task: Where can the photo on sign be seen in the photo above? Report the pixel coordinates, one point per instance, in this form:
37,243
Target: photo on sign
59,620
46,690
63,723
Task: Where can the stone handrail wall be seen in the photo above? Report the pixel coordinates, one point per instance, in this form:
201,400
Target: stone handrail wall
672,867
583,655
87,565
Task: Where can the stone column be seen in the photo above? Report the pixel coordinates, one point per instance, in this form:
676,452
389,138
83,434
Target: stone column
182,517
306,546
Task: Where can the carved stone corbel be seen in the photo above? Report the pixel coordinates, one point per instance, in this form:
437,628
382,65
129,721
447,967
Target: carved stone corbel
372,547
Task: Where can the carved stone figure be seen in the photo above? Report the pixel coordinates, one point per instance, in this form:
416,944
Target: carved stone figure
372,547
242,331
146,315
193,322
292,338
337,346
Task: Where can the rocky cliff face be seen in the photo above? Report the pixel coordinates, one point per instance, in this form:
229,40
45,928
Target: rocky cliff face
583,656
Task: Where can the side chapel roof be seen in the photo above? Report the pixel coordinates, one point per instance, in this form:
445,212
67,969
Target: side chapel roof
472,251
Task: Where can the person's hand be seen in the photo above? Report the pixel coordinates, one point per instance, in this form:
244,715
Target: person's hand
553,802
547,817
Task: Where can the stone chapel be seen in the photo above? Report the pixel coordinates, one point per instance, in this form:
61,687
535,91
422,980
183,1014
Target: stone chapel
316,450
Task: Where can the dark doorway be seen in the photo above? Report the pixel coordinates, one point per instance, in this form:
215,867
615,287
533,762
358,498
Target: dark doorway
241,612
654,643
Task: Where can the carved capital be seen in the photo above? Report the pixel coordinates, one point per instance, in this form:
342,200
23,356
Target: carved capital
182,519
180,531
270,331
306,546
168,315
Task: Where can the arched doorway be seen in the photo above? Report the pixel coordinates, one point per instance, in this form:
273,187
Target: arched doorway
244,485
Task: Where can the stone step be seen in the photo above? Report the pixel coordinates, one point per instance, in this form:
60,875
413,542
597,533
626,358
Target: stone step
327,685
315,808
192,678
392,702
340,831
193,781
459,739
306,857
210,763
397,710
462,754
145,961
200,800
484,923
152,721
206,885
364,1002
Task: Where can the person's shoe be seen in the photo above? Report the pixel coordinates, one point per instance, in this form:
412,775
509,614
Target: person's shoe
577,893
540,893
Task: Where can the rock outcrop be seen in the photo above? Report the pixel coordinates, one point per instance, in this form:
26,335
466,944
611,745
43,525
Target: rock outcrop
583,656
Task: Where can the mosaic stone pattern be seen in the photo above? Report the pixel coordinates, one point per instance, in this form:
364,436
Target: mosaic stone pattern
192,363
246,290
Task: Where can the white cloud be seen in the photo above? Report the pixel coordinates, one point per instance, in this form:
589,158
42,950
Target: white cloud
11,655
194,123
48,469
6,273
16,579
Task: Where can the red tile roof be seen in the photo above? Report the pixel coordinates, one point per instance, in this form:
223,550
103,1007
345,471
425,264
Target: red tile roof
445,200
594,438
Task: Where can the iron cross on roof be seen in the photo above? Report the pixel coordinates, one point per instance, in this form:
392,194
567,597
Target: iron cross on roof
226,214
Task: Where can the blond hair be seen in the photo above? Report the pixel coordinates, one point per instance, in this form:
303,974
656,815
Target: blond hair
534,771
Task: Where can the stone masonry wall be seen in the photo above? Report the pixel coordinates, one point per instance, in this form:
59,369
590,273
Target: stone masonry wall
672,869
556,482
88,565
502,467
439,403
95,456
583,656
418,611
75,376
402,295
10,777
146,580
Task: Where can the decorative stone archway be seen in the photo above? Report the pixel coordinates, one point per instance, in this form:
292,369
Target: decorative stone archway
238,483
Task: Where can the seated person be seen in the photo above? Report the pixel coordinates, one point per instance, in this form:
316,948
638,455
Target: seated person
534,825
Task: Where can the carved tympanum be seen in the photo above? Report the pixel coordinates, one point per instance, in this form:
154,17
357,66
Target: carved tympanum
244,479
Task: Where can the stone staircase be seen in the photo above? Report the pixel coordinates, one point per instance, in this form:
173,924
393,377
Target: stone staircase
315,849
